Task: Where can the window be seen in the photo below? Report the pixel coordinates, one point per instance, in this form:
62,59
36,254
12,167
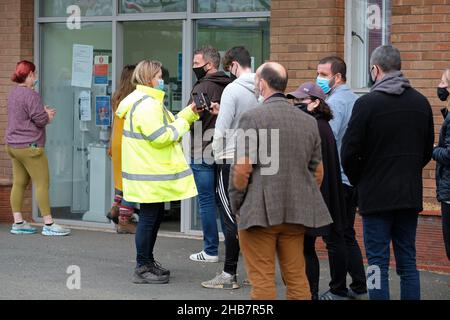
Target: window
71,142
140,45
253,33
153,6
223,34
231,5
367,23
59,8
114,33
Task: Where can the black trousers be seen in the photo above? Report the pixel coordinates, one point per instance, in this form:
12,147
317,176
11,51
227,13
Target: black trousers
355,266
445,210
229,219
337,258
344,254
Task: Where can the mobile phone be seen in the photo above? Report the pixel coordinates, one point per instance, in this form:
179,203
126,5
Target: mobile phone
199,100
207,101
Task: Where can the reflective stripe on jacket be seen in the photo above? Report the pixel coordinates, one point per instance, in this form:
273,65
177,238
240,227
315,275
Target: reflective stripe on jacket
154,168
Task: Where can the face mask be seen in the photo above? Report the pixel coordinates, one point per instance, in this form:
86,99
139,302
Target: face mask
302,106
324,84
200,72
372,80
257,93
443,94
35,84
160,85
232,75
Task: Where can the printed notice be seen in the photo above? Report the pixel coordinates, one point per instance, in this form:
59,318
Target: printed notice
82,59
103,111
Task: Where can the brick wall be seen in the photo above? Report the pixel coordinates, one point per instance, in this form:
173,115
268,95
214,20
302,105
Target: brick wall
302,32
425,55
16,38
430,249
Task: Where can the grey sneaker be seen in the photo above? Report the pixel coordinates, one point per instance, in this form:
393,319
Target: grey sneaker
331,296
55,230
357,296
23,228
144,275
222,281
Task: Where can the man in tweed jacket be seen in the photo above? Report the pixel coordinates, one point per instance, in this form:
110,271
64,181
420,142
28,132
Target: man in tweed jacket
274,187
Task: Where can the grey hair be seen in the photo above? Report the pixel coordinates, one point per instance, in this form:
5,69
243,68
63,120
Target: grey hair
209,54
387,58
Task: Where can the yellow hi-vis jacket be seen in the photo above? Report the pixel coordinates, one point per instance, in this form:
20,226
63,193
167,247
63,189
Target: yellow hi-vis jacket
154,168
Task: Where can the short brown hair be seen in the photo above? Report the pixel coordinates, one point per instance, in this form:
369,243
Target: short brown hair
238,54
209,54
337,66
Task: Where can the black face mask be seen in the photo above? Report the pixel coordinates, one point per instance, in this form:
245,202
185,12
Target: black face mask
232,75
302,106
200,72
443,94
371,81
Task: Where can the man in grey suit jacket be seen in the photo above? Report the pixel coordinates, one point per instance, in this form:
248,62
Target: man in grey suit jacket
274,187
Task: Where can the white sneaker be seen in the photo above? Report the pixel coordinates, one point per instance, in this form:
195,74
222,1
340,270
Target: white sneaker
55,230
203,257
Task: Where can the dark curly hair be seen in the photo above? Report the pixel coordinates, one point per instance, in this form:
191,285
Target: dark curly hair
323,109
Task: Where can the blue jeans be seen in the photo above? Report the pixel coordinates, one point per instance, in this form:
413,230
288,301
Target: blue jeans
150,218
379,230
205,179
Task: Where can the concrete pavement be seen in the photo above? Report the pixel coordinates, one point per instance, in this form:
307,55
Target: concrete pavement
34,267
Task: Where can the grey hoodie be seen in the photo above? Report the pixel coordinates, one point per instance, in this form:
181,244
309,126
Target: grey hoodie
237,98
393,83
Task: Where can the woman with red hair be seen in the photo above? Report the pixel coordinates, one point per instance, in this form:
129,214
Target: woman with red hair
25,142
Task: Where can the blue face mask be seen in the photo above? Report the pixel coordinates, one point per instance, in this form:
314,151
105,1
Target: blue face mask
35,84
160,85
324,84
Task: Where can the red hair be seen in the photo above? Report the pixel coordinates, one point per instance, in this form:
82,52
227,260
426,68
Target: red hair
23,69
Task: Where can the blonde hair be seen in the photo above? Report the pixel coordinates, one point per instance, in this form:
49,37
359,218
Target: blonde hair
145,71
447,75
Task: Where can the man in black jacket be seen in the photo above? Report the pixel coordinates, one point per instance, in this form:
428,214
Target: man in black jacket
389,140
211,82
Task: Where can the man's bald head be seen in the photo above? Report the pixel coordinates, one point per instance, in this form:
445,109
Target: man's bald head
275,75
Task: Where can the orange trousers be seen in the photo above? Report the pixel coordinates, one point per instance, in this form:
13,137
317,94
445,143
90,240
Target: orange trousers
260,246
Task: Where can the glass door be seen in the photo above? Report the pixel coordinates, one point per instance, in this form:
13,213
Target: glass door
75,79
223,34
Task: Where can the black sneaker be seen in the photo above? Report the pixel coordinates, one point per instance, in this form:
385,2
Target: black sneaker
144,274
157,268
